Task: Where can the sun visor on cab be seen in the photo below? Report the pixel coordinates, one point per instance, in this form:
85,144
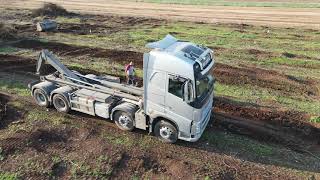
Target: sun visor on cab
164,43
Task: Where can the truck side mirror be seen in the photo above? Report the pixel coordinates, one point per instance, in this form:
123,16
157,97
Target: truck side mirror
187,92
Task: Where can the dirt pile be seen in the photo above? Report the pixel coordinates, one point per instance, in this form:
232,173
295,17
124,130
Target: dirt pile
287,121
7,32
50,9
276,81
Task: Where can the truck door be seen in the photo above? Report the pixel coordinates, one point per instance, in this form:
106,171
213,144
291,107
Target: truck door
176,108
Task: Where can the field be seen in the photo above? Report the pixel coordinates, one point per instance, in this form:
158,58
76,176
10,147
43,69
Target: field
265,123
244,3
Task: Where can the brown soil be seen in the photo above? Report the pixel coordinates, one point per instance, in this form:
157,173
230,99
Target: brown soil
284,17
265,78
10,62
50,9
3,107
283,126
7,32
68,50
78,149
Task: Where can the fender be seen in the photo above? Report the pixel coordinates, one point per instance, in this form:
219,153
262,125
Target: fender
45,86
125,106
64,91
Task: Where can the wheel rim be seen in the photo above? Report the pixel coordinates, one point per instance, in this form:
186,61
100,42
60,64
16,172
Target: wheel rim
166,132
124,121
60,103
40,98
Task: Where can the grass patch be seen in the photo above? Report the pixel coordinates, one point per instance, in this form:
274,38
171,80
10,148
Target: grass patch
8,176
40,115
101,170
8,49
68,20
14,87
119,140
315,119
292,62
225,141
259,95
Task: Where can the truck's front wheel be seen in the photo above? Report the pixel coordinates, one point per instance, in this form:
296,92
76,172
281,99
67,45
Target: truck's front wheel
166,131
61,103
124,121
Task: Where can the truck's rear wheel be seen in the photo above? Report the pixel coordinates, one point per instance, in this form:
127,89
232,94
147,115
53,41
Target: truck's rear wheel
124,120
41,98
166,131
61,103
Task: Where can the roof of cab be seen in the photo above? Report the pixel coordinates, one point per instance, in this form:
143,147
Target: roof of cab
172,47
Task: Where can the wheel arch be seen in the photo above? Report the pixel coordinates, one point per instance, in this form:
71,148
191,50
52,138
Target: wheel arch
126,107
159,118
64,90
46,86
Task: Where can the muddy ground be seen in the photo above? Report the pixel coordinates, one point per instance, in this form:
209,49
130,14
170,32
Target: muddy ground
81,146
287,128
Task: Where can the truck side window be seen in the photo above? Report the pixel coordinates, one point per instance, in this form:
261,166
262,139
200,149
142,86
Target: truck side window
175,86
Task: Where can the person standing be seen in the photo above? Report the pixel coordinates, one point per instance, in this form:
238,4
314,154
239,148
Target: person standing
130,72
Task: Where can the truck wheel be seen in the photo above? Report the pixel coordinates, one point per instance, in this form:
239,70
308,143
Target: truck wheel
166,132
124,121
60,103
41,98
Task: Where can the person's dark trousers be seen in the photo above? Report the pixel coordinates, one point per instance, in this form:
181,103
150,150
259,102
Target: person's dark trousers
130,80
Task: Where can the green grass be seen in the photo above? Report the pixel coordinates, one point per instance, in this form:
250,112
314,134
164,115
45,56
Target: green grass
7,49
225,141
238,3
14,87
257,95
315,119
41,115
8,176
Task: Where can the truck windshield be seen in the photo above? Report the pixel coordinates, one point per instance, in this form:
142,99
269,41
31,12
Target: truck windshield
203,86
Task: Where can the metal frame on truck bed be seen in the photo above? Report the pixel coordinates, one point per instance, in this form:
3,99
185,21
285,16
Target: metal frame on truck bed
175,101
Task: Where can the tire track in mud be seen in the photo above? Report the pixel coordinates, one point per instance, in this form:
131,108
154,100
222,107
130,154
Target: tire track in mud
280,125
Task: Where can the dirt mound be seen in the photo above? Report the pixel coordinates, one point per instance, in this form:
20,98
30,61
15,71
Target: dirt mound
69,50
264,78
290,122
7,32
50,9
10,62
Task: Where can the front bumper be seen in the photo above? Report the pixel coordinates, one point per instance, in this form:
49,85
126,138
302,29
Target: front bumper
196,137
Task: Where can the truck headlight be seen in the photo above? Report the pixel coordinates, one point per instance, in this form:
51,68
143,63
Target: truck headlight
196,128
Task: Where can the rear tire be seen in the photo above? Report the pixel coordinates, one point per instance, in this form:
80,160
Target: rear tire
166,132
41,98
124,120
61,103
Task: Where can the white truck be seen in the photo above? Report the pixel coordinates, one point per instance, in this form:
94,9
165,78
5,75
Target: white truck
175,101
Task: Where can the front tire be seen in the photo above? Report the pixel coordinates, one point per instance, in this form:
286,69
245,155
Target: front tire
41,98
124,120
166,132
60,103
